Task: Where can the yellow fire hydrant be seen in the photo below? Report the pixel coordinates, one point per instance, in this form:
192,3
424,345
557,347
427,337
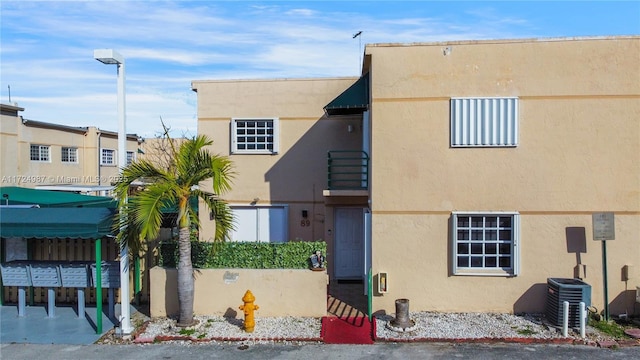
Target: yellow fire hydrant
249,307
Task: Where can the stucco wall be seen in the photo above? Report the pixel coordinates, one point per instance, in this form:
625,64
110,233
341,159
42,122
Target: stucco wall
8,143
578,153
278,292
296,175
18,169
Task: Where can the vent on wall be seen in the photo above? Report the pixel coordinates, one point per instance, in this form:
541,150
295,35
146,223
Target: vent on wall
478,122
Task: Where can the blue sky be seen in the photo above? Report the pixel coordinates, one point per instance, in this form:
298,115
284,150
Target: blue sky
46,48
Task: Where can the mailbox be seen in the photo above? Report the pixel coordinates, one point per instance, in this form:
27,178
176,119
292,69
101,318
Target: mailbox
110,274
75,275
45,275
15,273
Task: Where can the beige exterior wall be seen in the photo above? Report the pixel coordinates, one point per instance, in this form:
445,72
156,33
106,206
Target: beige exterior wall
18,135
297,175
284,292
578,153
8,140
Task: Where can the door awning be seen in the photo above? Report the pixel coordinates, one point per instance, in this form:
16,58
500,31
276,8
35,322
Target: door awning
354,100
72,223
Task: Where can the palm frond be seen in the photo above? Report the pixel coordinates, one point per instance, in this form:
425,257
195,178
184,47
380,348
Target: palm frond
146,207
222,215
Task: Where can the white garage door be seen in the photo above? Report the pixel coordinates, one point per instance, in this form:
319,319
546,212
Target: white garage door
260,223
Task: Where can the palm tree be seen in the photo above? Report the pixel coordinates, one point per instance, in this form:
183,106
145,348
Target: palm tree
190,165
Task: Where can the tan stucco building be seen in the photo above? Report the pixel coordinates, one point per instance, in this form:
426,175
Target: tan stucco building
38,154
472,168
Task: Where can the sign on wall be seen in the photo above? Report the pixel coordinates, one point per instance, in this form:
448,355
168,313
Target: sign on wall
603,226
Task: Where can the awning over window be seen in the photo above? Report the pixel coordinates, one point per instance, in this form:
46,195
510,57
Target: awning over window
354,100
13,195
73,223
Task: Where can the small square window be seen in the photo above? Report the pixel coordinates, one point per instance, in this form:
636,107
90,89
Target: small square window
131,157
69,155
485,244
254,136
40,153
107,157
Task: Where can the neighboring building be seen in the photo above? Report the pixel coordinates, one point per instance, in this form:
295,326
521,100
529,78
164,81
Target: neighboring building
473,168
52,156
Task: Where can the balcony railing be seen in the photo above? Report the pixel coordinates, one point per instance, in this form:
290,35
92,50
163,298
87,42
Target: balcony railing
347,170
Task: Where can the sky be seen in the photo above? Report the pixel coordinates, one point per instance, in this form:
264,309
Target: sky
47,65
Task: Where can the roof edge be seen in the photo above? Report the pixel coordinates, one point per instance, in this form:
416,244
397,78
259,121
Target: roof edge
507,41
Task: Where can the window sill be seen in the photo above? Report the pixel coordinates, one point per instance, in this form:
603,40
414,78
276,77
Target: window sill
472,272
254,153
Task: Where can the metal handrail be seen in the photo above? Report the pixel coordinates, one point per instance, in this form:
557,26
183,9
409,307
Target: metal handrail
347,170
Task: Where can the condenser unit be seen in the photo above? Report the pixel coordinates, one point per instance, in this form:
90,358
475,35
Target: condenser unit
560,290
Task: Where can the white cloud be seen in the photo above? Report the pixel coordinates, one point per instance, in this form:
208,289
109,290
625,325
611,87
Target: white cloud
47,49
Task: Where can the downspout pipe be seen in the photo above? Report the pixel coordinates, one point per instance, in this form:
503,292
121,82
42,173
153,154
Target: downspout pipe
99,158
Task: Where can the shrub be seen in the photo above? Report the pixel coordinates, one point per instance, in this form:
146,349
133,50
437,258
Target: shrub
243,255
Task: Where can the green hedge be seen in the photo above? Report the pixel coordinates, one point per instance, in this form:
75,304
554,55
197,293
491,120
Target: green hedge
243,255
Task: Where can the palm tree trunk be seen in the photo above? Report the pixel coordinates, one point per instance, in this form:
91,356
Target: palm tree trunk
185,279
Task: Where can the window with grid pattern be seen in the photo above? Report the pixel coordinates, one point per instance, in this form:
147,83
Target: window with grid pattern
131,157
69,155
485,243
39,153
108,157
254,136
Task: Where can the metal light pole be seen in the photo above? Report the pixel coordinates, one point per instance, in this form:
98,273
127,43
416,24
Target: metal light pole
110,56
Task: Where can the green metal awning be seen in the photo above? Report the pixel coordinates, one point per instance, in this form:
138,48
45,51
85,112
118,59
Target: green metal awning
354,100
73,223
13,195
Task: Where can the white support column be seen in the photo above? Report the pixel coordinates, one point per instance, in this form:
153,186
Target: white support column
583,320
565,318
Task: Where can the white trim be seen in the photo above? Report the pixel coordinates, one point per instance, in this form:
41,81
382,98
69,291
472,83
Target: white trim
276,137
515,245
114,157
367,248
285,226
133,156
40,148
77,157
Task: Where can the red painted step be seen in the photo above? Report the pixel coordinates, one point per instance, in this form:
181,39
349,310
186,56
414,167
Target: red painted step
347,330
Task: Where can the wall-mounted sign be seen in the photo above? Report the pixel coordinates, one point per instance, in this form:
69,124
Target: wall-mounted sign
603,226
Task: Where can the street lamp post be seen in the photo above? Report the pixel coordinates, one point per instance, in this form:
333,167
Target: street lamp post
110,56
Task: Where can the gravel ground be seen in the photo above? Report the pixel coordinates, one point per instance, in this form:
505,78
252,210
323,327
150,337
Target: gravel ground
429,326
231,329
450,326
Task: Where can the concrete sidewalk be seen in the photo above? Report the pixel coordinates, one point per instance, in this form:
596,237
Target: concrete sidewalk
64,328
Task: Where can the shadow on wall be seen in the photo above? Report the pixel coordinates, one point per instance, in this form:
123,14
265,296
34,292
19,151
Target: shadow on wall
304,164
532,301
624,303
299,175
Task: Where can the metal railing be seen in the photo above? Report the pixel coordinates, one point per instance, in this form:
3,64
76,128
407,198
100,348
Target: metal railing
347,170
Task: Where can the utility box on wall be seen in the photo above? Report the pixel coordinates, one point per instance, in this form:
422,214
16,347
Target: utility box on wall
383,283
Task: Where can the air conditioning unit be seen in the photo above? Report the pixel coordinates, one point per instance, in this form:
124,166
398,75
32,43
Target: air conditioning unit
573,291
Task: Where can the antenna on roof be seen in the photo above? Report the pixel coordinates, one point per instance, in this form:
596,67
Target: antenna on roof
9,86
357,35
